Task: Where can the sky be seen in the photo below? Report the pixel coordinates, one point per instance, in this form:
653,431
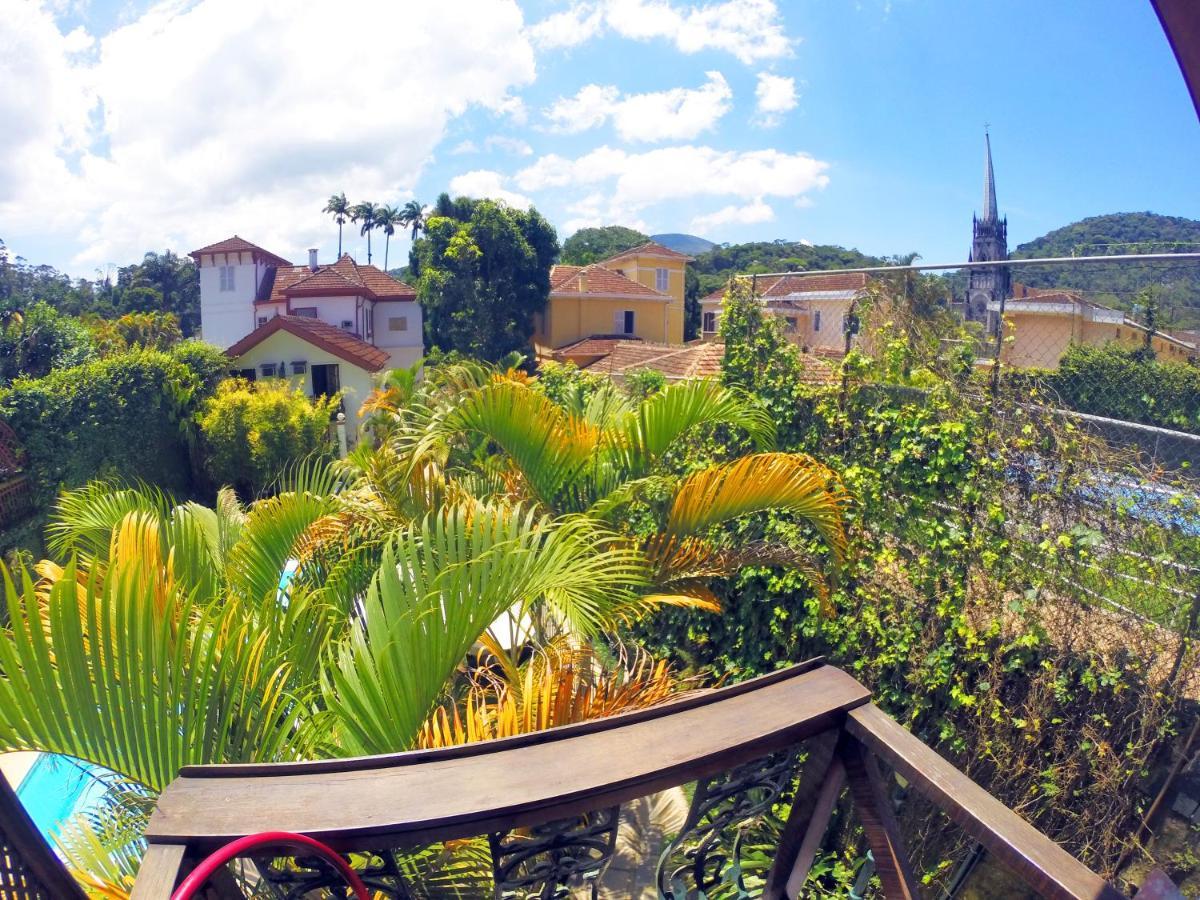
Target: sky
128,126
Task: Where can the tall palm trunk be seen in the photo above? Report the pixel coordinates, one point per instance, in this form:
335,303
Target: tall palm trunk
339,240
368,246
387,245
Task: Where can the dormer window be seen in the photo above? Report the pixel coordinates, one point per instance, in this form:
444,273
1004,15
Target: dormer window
226,278
661,280
347,325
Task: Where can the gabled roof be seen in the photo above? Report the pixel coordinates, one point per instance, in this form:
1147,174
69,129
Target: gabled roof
651,248
341,344
343,278
237,244
598,280
699,359
788,285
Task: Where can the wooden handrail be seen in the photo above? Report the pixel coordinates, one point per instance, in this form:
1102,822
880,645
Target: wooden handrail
733,742
1041,863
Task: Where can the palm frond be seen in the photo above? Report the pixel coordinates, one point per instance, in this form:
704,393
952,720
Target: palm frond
781,481
438,588
83,519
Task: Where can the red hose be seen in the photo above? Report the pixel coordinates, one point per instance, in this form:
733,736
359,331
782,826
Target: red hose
234,849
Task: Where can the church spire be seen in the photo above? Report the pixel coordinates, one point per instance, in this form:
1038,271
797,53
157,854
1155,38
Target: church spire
989,182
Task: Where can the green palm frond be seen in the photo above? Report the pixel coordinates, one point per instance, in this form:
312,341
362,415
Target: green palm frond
116,677
83,520
440,585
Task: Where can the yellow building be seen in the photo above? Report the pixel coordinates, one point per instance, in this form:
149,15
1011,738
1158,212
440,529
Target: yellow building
1041,324
638,293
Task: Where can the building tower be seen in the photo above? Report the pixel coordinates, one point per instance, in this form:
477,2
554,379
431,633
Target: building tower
989,242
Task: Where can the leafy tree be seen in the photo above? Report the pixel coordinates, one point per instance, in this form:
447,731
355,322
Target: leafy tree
40,339
589,245
155,330
252,431
482,272
365,214
338,207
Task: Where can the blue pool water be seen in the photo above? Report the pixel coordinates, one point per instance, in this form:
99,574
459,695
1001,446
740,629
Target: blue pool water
57,788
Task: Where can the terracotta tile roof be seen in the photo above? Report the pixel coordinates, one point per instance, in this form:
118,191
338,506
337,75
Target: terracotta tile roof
650,248
611,355
598,280
783,285
333,340
237,244
344,277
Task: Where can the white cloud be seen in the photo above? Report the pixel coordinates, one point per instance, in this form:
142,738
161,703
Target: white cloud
486,183
621,185
512,145
751,214
750,30
774,96
237,128
676,114
464,147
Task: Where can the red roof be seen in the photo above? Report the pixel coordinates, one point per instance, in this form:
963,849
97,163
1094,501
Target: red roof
333,340
598,280
651,248
783,285
237,244
343,278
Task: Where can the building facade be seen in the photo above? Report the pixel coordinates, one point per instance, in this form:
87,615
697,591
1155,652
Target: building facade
635,294
817,310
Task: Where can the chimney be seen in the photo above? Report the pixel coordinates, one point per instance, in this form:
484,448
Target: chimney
312,259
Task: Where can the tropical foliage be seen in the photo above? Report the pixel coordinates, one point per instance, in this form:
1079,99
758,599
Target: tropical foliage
482,272
337,616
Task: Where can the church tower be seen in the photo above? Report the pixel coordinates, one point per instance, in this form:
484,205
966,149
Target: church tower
989,242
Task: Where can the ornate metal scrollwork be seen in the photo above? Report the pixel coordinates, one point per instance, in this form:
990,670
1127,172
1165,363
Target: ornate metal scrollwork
546,862
295,878
707,851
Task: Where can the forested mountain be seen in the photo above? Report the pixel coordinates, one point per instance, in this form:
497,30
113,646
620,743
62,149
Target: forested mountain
684,243
716,266
1118,284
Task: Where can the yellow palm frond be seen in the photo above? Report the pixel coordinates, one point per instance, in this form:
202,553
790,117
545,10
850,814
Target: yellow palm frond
780,481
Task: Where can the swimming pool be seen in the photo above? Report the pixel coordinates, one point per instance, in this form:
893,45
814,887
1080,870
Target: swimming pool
57,788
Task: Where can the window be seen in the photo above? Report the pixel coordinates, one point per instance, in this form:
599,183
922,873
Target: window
623,321
325,380
299,368
227,278
248,374
789,323
369,316
620,271
398,323
661,280
309,312
268,370
710,322
262,320
817,320
347,325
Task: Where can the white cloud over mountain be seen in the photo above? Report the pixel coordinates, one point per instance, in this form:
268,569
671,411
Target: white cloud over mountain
197,118
749,214
676,114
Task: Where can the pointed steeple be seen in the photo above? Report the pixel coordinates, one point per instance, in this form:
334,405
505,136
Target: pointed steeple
989,182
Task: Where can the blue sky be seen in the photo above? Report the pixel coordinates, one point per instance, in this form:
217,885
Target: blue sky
138,126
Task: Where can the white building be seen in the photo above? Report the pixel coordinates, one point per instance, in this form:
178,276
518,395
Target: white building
332,326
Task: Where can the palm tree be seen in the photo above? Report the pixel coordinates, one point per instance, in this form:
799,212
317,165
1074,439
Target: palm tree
412,215
339,208
386,219
365,214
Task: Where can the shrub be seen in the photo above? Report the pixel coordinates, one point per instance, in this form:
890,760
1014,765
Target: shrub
208,363
39,340
251,431
121,416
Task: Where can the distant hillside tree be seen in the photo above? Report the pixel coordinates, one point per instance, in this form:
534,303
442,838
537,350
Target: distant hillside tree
482,272
716,266
589,245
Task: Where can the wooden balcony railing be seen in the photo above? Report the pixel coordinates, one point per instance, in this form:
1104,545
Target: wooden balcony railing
550,803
